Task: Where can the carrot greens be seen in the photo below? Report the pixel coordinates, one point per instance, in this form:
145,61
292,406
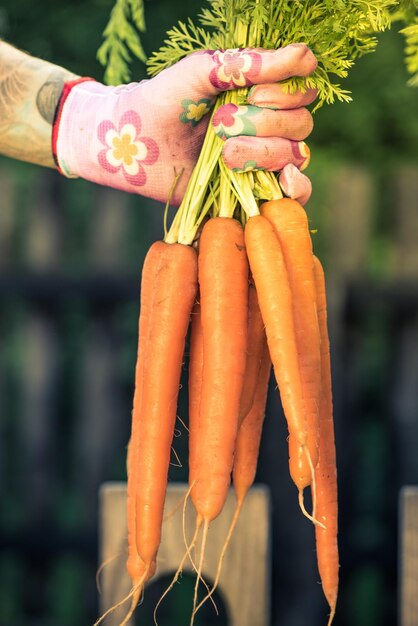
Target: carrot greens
408,13
337,31
121,40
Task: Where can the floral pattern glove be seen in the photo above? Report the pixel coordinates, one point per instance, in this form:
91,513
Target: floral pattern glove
137,137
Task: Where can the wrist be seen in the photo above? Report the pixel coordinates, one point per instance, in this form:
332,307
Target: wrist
62,120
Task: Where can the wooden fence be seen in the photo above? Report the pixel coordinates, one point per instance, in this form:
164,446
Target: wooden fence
70,260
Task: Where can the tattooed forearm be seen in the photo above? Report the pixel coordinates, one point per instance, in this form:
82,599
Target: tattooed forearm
29,93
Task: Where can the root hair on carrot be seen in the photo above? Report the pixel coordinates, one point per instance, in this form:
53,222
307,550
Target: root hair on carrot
101,568
199,571
331,616
222,556
176,575
197,528
187,554
174,511
313,485
135,594
192,545
179,463
183,423
310,516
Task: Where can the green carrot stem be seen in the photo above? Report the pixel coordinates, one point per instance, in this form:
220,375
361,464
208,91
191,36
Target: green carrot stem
267,186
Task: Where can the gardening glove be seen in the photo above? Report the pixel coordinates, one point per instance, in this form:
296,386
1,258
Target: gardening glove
138,137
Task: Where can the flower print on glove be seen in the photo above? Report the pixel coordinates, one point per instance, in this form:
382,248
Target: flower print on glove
231,120
125,150
235,68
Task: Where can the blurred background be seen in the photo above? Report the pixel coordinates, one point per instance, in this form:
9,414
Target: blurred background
70,265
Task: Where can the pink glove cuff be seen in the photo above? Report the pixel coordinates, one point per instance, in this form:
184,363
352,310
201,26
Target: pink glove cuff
68,86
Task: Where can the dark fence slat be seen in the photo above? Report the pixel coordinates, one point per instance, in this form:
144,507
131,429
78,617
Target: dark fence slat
98,424
109,224
7,217
37,428
43,244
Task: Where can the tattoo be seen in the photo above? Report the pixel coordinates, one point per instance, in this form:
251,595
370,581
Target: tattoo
49,94
29,93
12,89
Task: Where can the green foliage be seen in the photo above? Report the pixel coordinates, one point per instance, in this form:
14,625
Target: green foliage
408,13
411,49
121,40
380,127
338,32
182,40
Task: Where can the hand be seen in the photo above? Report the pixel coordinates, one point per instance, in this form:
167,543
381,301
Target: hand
136,137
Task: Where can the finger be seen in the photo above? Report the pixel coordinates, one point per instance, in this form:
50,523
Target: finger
234,68
270,153
274,96
231,120
295,184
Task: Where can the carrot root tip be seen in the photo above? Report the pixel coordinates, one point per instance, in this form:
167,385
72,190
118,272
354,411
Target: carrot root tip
331,616
135,594
199,571
221,558
179,569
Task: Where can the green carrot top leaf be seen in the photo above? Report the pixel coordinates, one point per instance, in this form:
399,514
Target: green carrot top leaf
121,40
408,13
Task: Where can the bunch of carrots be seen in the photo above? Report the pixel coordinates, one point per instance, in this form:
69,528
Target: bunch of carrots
236,272
253,296
236,268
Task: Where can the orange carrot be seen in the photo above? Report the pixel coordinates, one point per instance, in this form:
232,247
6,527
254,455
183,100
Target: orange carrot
271,279
169,282
275,299
248,439
325,471
256,343
249,435
135,565
223,280
155,405
195,385
290,223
